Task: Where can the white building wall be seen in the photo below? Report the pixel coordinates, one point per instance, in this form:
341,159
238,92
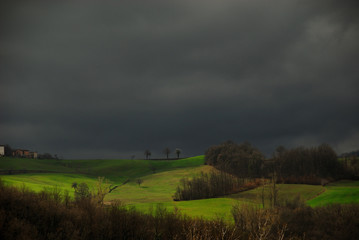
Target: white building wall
2,151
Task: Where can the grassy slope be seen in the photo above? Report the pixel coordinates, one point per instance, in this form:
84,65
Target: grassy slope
339,192
285,191
69,171
41,181
115,170
158,187
34,164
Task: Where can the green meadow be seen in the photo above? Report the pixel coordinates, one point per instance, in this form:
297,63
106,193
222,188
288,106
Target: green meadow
41,181
160,179
344,191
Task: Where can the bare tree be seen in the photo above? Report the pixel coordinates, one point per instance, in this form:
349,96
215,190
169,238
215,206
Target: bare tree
167,151
103,187
273,191
147,154
139,181
262,193
178,152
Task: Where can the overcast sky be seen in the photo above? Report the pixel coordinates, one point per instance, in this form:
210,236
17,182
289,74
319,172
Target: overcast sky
110,79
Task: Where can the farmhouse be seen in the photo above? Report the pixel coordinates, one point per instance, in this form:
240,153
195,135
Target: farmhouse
24,153
18,153
2,151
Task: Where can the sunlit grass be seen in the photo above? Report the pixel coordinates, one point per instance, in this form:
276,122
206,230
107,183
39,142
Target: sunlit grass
338,192
39,182
157,186
204,208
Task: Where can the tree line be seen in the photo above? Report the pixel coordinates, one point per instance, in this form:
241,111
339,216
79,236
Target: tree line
209,185
167,151
242,160
351,163
306,165
298,165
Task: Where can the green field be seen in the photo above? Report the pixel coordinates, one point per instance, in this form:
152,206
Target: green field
114,170
41,181
160,179
285,192
338,192
62,173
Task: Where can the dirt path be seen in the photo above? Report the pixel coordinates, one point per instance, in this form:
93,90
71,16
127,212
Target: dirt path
318,194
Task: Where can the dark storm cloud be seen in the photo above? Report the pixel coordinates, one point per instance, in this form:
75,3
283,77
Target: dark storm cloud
113,78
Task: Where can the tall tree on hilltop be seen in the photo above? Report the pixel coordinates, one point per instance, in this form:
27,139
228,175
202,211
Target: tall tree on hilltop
178,152
147,153
167,151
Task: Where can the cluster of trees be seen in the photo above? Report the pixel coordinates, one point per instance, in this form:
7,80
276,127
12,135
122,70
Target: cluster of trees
298,165
167,151
307,165
350,154
351,166
351,163
242,160
209,185
53,215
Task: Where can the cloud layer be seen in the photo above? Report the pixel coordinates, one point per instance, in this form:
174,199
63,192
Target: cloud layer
113,78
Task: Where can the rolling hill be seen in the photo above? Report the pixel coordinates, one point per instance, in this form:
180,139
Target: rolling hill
160,179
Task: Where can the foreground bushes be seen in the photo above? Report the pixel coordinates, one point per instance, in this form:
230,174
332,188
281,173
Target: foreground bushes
298,222
51,215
